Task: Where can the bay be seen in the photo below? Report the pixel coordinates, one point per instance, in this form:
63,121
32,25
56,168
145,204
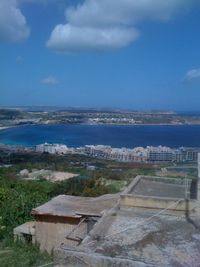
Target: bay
115,135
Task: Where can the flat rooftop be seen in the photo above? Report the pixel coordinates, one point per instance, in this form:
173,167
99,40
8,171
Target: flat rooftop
158,187
153,188
146,236
75,207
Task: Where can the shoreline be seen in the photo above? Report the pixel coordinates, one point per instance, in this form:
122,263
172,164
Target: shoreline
143,124
3,145
100,124
5,127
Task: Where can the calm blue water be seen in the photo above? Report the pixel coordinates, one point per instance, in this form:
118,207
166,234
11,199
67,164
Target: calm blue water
116,136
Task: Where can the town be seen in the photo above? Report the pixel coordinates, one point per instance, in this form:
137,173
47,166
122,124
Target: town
138,154
147,154
19,116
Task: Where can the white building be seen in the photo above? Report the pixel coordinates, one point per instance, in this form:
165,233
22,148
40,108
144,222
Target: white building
53,148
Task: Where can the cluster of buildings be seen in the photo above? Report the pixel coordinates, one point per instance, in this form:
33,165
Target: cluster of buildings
59,149
113,120
141,154
138,154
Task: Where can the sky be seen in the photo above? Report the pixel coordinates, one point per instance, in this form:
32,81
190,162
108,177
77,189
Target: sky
100,53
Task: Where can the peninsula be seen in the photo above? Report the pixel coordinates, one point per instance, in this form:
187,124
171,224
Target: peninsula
18,116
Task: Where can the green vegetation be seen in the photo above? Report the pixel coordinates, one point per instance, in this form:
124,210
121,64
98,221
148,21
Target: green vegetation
18,197
10,114
16,201
22,255
179,170
114,186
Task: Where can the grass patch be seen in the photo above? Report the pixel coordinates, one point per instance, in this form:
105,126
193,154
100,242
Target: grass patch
22,255
114,186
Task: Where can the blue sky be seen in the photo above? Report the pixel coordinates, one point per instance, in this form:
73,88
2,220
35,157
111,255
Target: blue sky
91,53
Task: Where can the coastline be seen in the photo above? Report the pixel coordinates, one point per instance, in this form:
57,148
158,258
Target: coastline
100,124
143,124
5,127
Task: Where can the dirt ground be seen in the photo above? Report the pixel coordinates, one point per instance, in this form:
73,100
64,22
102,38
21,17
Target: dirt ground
46,174
60,176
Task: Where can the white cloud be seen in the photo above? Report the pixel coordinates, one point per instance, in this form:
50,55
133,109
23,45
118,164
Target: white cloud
192,74
107,24
50,81
68,38
108,12
13,26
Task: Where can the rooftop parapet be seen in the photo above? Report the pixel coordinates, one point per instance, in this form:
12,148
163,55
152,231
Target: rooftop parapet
157,193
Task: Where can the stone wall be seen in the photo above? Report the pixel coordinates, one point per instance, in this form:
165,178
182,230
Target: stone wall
72,258
154,202
50,233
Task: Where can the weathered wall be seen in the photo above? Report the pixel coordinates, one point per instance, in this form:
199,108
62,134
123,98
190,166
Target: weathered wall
25,232
153,202
70,258
49,234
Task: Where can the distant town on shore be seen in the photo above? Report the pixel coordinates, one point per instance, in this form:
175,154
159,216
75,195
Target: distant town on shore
10,117
147,154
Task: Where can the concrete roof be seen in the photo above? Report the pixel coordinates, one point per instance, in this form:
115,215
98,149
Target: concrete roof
73,206
158,187
147,187
163,240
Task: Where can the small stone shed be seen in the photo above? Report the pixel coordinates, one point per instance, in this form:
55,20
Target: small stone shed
65,219
25,232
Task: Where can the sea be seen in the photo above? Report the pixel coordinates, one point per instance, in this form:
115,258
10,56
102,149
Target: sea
129,136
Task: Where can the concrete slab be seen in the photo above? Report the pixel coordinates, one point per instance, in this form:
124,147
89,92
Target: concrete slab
147,187
146,237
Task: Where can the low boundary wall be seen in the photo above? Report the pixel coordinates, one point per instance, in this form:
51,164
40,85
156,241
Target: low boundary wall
154,203
72,258
129,199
